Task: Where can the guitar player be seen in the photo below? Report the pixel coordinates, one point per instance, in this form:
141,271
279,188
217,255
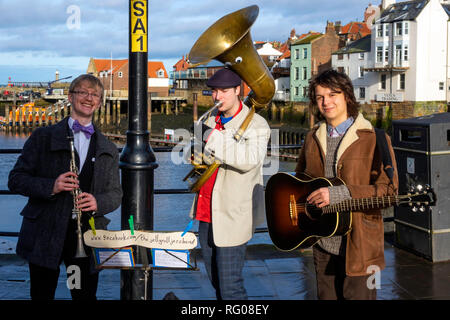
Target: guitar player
343,144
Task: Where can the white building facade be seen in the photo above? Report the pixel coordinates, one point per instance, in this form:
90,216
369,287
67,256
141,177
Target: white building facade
283,81
353,59
409,54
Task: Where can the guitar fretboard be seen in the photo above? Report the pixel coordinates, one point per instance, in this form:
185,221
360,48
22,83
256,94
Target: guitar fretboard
362,204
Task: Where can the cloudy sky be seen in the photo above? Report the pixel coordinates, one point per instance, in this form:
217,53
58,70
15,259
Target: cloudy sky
38,37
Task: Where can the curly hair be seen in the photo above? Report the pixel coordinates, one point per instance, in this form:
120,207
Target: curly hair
337,81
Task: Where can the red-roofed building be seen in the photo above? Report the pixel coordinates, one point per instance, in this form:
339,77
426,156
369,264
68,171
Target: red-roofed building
354,31
181,65
158,80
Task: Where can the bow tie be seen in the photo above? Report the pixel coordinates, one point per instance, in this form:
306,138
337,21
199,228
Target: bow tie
88,130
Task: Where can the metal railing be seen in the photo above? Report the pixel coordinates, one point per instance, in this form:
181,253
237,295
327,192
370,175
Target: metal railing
156,191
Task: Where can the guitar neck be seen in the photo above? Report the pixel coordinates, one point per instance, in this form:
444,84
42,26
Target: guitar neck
362,204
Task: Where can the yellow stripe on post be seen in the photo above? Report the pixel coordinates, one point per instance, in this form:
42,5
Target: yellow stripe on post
138,26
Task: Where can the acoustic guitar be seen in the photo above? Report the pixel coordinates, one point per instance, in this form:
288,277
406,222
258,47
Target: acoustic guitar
293,223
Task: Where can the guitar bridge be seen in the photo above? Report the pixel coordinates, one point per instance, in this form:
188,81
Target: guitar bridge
293,210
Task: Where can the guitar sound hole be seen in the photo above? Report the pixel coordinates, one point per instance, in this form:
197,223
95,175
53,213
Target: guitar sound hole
313,212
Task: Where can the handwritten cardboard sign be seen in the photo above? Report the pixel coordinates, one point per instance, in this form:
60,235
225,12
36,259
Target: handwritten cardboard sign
148,239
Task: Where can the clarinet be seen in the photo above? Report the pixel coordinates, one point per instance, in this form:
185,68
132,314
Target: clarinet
80,253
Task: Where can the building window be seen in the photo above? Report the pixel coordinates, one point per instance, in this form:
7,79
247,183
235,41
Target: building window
386,30
399,28
398,54
120,74
406,28
441,86
405,53
305,91
383,82
340,57
305,53
362,93
379,54
361,56
401,84
297,54
297,73
386,54
160,73
340,69
305,73
361,72
380,30
296,91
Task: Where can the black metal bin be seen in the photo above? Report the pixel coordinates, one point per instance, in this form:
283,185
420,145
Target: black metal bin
422,151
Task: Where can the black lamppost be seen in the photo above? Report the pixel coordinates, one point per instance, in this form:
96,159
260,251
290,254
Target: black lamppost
137,161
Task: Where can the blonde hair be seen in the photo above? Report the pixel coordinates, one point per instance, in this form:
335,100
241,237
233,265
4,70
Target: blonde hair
89,78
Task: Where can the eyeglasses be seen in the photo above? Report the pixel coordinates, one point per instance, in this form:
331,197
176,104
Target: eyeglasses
85,94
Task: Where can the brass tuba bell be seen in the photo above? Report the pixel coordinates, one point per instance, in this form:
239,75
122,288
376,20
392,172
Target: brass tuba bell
229,41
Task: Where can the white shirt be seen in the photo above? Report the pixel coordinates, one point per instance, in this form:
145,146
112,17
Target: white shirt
81,144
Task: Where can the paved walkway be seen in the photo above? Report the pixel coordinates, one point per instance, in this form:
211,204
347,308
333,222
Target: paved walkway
268,273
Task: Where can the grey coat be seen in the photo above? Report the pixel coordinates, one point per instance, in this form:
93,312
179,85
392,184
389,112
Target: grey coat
44,157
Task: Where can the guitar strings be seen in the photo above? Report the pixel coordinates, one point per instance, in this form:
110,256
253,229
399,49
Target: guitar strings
364,203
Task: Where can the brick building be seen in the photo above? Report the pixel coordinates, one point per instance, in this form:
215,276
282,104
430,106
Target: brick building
114,76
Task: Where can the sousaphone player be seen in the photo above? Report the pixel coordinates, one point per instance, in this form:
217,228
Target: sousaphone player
230,202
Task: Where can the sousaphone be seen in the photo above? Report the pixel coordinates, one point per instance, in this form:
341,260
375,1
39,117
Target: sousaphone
229,41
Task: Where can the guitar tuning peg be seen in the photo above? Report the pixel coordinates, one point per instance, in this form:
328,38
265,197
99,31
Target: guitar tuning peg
419,187
422,209
427,187
411,190
414,209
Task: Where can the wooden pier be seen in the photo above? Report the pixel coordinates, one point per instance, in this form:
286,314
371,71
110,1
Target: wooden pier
28,116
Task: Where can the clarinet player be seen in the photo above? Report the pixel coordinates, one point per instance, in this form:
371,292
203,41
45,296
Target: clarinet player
48,235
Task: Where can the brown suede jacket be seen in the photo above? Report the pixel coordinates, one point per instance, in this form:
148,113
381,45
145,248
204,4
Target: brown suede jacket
359,165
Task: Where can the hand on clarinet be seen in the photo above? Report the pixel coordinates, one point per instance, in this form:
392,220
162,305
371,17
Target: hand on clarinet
67,181
86,202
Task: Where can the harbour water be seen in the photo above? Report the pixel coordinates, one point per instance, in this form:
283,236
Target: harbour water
171,212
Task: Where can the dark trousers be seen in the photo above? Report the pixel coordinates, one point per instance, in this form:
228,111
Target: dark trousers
43,281
334,284
224,265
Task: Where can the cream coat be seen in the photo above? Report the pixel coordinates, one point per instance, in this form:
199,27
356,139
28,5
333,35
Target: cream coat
238,193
